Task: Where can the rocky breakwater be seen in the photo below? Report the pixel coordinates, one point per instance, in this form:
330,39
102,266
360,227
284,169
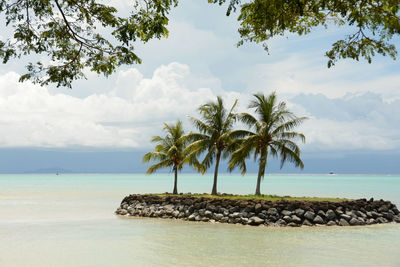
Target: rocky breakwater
260,212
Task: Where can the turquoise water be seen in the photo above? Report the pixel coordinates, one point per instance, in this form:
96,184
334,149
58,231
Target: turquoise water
68,220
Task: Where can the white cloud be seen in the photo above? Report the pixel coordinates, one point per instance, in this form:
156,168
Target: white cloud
125,117
134,109
353,122
303,73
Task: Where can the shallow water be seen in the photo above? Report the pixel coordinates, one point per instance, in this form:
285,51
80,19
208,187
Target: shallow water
68,220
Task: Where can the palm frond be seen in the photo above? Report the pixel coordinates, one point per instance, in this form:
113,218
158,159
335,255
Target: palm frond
160,165
198,147
200,125
289,125
153,156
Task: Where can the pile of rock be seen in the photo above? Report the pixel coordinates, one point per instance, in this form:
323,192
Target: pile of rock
260,212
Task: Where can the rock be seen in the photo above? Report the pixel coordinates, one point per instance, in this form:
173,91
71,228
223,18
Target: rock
139,206
280,222
168,207
309,215
202,212
218,216
339,211
321,213
273,218
261,215
208,214
375,214
370,221
318,219
360,214
346,217
387,215
292,224
123,212
296,219
354,221
234,215
330,215
287,219
224,219
395,211
258,208
299,212
256,212
175,214
245,221
272,211
237,220
351,214
286,213
383,208
331,223
381,220
256,220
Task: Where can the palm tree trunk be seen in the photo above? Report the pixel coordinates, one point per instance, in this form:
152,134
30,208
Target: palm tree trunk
261,170
214,189
175,181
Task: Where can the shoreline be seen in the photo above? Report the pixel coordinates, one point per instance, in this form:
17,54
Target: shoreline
258,212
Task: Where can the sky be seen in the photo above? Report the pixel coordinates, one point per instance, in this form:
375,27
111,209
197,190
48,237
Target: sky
105,124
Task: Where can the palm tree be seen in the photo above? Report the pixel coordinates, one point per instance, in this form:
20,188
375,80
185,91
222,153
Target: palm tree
214,137
273,136
169,152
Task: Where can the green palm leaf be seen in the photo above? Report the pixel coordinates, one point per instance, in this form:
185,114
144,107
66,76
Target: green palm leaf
273,135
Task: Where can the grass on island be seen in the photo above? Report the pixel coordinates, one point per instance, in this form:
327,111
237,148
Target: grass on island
261,197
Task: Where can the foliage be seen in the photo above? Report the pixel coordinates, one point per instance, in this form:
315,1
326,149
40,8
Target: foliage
273,135
75,35
214,137
214,131
69,36
375,23
170,150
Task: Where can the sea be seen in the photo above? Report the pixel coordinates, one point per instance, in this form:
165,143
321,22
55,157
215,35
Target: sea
69,220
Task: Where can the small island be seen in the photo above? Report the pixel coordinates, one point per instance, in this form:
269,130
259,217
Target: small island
260,210
270,133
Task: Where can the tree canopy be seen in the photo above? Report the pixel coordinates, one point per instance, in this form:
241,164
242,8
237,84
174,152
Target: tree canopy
73,35
375,23
214,138
78,34
273,135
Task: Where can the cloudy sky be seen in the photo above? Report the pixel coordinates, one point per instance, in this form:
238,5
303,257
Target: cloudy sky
354,107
